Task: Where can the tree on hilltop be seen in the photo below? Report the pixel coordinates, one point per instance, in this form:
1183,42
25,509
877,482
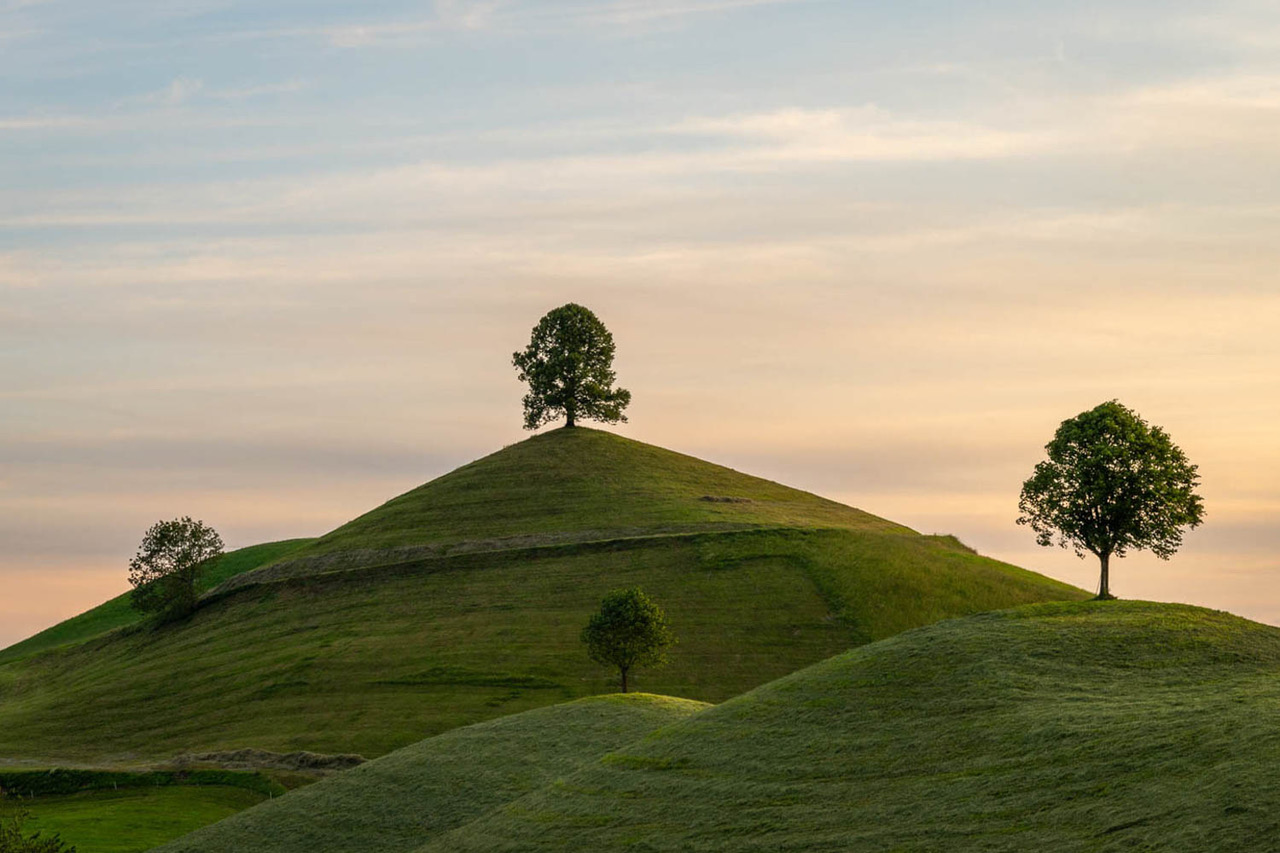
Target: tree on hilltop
1111,483
628,631
569,367
164,570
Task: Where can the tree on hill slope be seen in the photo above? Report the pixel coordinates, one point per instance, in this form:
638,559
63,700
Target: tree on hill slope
628,632
1112,483
163,572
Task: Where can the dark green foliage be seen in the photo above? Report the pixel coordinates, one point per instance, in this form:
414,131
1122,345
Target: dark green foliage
15,839
1112,483
164,571
629,631
569,367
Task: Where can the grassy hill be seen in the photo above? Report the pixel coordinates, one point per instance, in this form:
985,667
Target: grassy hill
401,800
586,482
348,653
1066,727
117,613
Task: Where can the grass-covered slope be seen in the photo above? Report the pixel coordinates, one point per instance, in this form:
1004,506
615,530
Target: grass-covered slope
403,799
132,820
1065,727
370,661
117,613
758,580
584,483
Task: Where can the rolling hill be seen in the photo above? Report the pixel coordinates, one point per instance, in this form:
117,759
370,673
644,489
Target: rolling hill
429,788
462,601
1070,726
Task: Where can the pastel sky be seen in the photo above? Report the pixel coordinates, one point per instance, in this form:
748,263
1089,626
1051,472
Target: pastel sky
265,264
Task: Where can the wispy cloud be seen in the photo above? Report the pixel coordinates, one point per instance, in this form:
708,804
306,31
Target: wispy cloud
514,17
265,89
179,91
449,15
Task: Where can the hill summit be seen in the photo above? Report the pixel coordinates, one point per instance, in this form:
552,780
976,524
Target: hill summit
567,486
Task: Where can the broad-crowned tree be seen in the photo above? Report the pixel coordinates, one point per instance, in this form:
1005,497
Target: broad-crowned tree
165,569
1112,483
629,631
569,367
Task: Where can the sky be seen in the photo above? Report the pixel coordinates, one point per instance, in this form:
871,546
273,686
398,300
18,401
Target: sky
265,264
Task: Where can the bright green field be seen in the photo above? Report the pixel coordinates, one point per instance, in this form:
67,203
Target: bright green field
1063,727
372,659
429,788
133,819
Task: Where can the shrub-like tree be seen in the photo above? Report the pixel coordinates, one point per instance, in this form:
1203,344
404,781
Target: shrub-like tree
165,569
569,367
1111,483
629,631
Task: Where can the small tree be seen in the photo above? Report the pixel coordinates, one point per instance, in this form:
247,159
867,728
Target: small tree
629,631
569,367
164,570
1111,483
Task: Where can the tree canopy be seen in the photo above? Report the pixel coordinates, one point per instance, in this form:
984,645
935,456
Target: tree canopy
628,631
569,367
1112,483
164,571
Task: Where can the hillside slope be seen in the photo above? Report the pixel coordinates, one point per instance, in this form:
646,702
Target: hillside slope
1065,727
352,656
569,486
117,613
401,800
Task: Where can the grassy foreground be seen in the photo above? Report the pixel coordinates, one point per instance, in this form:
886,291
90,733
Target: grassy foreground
1065,727
424,790
132,820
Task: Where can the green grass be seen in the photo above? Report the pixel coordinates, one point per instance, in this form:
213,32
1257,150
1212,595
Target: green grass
117,613
585,480
1064,727
370,661
132,820
399,801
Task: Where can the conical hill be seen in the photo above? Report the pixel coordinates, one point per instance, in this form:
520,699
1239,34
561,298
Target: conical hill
586,481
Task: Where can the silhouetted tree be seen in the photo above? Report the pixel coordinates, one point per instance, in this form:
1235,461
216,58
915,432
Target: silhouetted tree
164,570
629,631
569,367
1111,483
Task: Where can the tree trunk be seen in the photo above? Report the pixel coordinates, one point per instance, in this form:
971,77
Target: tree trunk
624,678
1104,588
568,422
